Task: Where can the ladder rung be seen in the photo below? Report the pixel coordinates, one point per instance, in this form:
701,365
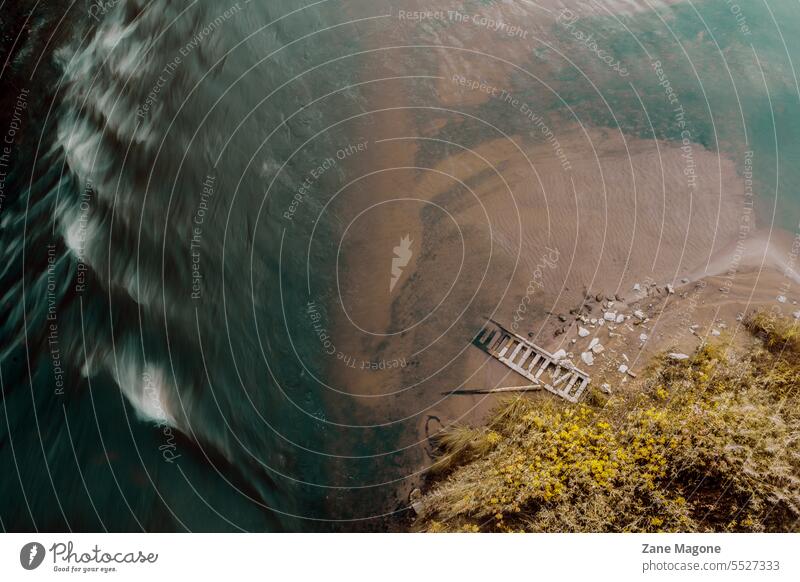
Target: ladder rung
543,368
514,354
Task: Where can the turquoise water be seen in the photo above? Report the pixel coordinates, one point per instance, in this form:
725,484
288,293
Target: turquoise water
734,72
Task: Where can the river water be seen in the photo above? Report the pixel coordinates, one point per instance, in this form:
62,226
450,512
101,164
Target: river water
255,251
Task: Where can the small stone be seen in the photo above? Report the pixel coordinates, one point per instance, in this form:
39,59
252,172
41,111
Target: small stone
684,280
670,289
562,318
560,331
587,358
796,314
594,342
781,299
715,332
637,287
643,337
619,297
622,369
600,323
610,316
560,354
605,388
639,314
598,348
598,297
593,320
620,318
678,356
583,332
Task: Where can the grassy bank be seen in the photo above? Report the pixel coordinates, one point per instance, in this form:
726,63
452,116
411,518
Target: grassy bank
711,443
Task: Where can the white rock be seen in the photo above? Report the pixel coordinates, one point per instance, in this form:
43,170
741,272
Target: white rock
643,337
670,289
781,299
610,316
598,348
622,369
639,314
695,326
796,314
620,318
600,323
594,342
583,332
593,321
560,354
684,280
677,356
574,341
605,388
715,332
637,287
587,358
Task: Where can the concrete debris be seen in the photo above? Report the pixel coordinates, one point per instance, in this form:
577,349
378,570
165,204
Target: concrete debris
560,354
587,358
583,332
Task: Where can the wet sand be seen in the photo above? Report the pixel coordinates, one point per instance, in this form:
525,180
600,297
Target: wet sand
504,221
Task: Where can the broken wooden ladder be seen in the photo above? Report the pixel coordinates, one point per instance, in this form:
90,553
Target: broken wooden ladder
532,362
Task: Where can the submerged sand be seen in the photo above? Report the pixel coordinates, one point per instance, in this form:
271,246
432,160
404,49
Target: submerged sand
504,227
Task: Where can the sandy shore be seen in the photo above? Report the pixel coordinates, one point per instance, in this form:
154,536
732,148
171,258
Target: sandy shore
504,227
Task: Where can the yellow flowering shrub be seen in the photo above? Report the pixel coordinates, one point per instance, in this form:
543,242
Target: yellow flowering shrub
707,444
